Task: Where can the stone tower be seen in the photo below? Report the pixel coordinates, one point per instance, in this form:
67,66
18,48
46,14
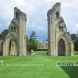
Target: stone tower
21,19
59,40
15,40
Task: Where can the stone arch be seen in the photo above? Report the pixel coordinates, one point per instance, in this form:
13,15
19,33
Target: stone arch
61,47
64,44
11,45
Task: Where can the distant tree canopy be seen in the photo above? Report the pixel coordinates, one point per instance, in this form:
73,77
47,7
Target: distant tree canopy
75,40
32,42
3,34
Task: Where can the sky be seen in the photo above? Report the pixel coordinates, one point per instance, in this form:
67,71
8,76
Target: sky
36,11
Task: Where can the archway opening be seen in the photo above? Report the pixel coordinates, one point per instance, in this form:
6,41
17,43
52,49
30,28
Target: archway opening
12,48
61,48
1,50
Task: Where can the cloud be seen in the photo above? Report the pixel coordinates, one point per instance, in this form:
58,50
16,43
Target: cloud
36,11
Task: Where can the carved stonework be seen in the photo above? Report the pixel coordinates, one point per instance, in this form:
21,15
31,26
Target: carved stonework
15,40
59,41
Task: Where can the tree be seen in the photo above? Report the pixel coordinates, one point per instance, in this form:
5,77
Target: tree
4,33
75,40
73,36
32,42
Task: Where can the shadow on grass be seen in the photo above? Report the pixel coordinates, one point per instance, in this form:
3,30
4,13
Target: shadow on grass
72,71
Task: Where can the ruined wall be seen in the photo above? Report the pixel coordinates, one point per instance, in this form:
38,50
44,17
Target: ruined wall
15,40
57,31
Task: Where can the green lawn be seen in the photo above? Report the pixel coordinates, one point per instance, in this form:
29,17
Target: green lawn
37,67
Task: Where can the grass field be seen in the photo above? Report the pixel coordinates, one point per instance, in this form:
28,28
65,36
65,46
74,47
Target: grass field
37,67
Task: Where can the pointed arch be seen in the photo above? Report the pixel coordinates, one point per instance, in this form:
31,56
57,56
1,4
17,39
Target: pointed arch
11,45
61,47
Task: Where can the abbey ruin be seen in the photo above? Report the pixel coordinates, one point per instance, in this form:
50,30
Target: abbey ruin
59,40
13,42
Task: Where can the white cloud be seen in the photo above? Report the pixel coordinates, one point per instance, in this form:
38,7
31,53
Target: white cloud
32,7
77,25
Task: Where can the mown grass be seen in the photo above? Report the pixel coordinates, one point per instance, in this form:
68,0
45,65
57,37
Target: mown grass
35,67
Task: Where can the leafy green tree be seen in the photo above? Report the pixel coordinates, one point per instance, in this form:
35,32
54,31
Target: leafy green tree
4,33
32,43
75,40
